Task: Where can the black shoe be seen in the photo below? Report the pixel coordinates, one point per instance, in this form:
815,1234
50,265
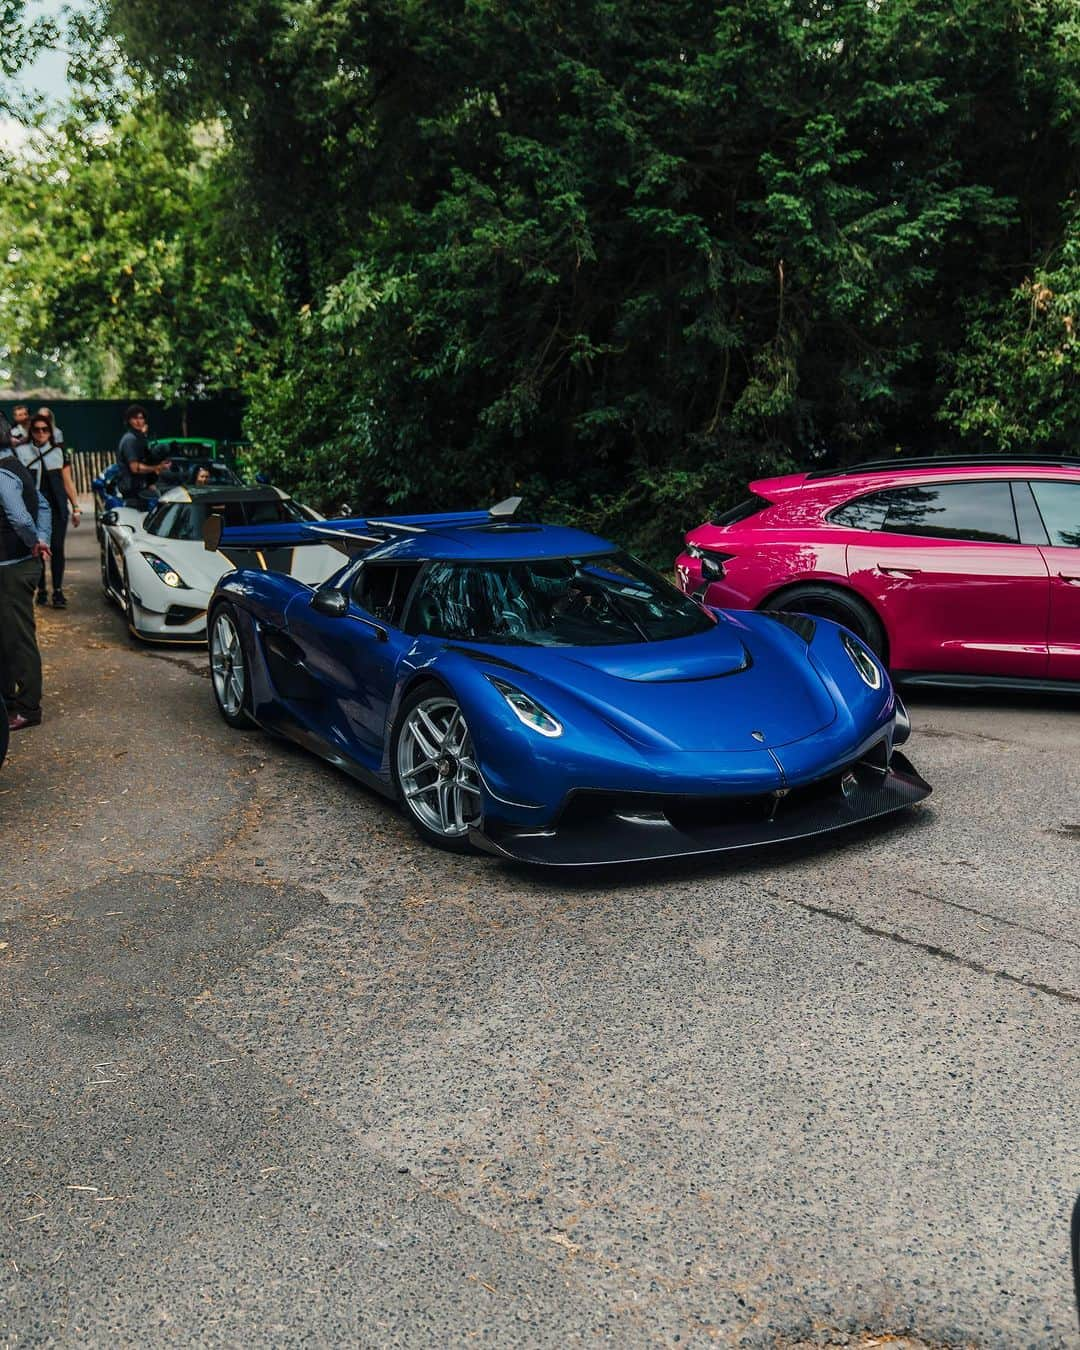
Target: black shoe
42,596
59,600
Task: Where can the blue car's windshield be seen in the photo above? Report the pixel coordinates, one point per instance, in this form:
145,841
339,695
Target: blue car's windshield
554,602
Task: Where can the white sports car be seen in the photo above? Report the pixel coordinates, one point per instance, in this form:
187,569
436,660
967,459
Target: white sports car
155,567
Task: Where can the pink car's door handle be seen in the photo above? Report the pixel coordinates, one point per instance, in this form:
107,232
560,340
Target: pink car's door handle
1073,578
901,572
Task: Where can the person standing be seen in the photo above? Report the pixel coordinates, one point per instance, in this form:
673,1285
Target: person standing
137,474
57,434
20,425
24,545
50,469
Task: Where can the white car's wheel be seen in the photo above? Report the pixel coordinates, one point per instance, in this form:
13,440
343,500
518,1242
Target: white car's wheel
435,769
228,668
111,577
126,600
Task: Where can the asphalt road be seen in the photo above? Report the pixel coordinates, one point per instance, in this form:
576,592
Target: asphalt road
272,1071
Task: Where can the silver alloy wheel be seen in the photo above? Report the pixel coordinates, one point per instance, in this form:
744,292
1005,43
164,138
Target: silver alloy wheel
227,665
436,767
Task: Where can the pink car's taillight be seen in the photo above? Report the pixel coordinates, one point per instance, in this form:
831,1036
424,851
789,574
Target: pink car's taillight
714,555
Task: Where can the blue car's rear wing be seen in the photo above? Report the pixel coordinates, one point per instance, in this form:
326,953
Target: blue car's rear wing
349,536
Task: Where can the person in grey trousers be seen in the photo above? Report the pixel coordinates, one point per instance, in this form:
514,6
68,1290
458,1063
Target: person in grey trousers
25,524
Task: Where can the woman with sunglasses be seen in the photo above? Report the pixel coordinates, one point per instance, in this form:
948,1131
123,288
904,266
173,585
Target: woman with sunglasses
44,456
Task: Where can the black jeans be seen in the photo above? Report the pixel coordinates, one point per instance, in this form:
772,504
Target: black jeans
20,661
56,543
59,534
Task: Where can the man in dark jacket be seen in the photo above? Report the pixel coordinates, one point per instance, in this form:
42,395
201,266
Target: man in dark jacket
25,523
137,474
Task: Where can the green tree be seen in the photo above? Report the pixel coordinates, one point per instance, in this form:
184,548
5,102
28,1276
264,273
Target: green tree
624,253
21,39
1016,380
122,259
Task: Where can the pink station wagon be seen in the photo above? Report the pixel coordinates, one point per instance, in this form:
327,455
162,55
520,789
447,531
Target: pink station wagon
955,570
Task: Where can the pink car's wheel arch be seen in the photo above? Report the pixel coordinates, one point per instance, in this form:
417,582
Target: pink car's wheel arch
827,600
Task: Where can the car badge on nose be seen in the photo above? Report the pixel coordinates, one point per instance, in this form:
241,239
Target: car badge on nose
758,735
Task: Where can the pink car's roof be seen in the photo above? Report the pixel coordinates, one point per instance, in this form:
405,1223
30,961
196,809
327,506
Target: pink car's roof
845,483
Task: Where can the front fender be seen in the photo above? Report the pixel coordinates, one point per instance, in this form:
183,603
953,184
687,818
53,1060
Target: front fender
527,775
504,754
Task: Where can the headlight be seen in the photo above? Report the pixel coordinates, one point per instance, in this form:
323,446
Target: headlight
527,710
864,663
168,574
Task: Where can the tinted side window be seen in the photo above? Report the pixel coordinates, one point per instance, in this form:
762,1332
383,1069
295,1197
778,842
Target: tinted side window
233,514
271,513
982,512
382,589
864,513
1059,506
743,511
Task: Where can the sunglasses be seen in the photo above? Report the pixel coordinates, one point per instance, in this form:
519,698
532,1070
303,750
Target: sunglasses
40,426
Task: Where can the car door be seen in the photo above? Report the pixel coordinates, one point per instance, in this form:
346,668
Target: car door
959,592
1058,503
351,659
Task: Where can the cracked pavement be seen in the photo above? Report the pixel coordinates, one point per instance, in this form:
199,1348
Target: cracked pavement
274,1071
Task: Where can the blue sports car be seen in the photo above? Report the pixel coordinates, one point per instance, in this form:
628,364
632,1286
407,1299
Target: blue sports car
538,693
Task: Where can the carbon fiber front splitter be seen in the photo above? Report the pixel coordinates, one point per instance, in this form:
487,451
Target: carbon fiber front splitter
647,831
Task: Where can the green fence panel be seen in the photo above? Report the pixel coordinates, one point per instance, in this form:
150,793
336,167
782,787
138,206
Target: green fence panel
97,424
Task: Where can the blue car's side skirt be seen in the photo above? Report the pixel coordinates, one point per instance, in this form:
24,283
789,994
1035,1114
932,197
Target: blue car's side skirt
290,729
648,827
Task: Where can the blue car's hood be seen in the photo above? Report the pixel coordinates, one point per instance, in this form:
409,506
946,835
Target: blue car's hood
708,692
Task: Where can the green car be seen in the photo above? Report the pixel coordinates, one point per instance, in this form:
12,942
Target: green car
190,447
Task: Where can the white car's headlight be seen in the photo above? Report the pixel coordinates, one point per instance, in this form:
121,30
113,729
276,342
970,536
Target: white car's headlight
168,574
864,663
527,710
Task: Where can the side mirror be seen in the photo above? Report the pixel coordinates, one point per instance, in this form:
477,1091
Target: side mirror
109,518
330,601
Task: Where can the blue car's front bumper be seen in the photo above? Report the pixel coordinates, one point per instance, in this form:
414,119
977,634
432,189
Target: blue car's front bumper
597,828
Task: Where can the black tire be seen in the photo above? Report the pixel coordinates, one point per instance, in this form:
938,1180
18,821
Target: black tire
843,607
458,757
128,605
112,579
229,667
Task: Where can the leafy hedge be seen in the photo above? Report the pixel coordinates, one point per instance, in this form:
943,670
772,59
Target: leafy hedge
624,255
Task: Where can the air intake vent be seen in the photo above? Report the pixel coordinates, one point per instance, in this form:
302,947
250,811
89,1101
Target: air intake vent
802,624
